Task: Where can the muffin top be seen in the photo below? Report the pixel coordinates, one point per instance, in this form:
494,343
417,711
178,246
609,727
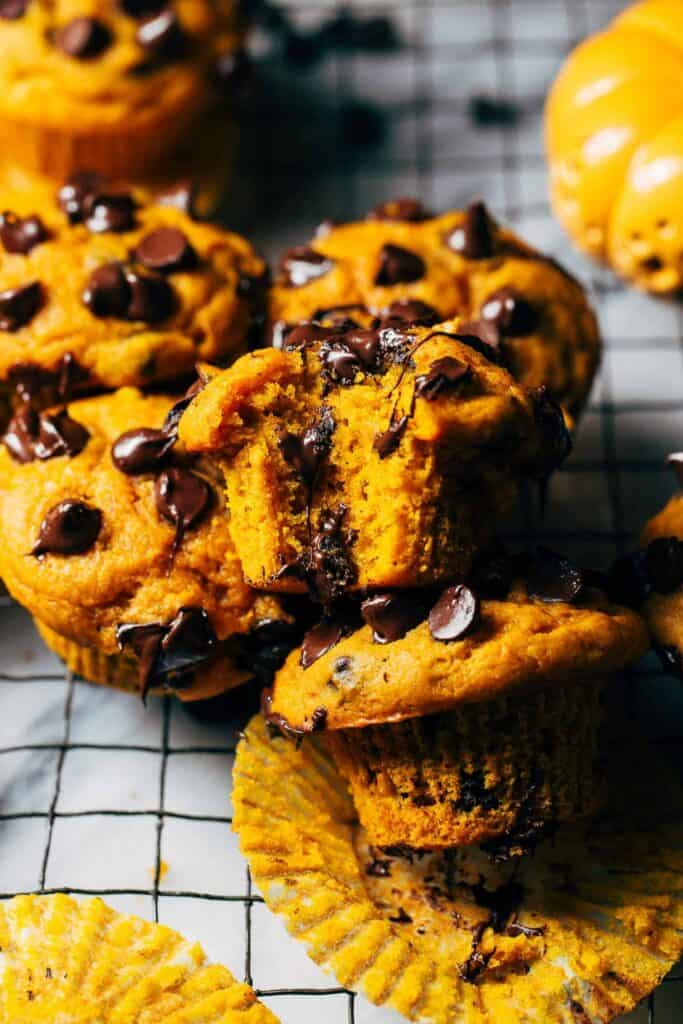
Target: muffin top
409,654
108,525
661,571
91,64
125,289
352,446
407,263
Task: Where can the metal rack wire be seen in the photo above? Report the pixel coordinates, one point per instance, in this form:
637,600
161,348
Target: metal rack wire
97,797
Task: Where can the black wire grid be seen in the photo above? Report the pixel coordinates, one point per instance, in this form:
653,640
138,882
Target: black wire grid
98,796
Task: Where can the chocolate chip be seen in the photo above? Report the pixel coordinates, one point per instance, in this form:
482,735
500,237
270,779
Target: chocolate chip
76,194
413,311
302,264
675,462
42,436
182,498
664,564
110,212
388,440
474,238
166,250
454,614
162,35
398,266
21,234
320,640
391,616
181,196
554,579
70,528
510,312
12,10
142,451
306,453
169,653
141,8
152,298
19,305
83,38
114,290
481,336
444,375
403,209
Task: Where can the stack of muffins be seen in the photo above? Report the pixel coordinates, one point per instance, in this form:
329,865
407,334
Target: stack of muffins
211,478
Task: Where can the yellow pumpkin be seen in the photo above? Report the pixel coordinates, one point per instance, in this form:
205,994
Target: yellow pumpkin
614,137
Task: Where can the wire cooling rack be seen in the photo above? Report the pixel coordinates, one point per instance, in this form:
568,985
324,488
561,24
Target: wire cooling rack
99,796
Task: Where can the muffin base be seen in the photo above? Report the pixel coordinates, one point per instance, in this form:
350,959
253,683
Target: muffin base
504,772
121,671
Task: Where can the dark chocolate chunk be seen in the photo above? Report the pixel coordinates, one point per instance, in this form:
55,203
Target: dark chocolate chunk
510,312
83,38
413,311
182,196
166,250
454,614
340,362
162,36
302,265
31,435
388,440
664,564
365,344
182,497
320,640
474,238
19,305
21,234
169,653
307,452
143,450
107,292
398,266
76,194
114,211
391,616
300,336
554,579
12,10
403,209
444,375
70,528
675,462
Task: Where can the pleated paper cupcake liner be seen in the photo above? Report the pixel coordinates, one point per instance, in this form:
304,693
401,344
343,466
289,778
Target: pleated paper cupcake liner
507,770
580,932
80,962
121,671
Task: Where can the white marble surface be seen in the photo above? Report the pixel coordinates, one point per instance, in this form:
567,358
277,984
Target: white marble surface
94,787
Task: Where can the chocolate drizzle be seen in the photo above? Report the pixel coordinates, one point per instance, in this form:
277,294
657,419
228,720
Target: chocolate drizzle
170,653
32,435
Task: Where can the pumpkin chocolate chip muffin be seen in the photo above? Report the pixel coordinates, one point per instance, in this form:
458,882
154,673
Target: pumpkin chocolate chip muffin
369,457
110,84
117,544
458,718
110,288
405,262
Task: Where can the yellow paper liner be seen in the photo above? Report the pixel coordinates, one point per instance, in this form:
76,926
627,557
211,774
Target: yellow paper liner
121,671
80,962
576,934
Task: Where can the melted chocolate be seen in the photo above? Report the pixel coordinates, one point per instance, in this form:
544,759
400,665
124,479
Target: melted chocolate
170,652
391,616
307,452
321,639
387,442
445,374
144,450
553,578
182,498
70,528
31,435
411,312
327,563
454,614
31,381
